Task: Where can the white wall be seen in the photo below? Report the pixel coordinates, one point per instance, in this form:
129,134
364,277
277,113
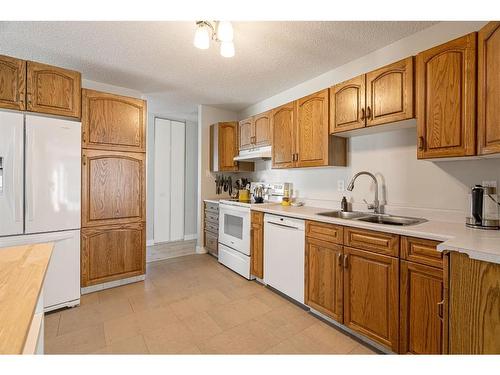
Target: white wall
433,189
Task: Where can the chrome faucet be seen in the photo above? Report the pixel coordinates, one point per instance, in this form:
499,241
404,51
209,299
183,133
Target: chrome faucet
375,206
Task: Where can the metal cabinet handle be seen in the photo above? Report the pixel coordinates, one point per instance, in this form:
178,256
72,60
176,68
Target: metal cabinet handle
440,306
362,113
346,261
83,136
420,143
369,113
339,259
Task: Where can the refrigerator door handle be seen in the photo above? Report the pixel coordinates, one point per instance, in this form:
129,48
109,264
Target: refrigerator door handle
30,201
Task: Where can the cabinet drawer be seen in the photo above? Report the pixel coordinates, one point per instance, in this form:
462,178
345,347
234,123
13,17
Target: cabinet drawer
212,207
379,242
211,227
211,243
422,251
210,216
325,232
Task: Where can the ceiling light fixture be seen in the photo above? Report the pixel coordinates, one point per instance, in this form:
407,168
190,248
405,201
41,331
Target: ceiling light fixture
219,31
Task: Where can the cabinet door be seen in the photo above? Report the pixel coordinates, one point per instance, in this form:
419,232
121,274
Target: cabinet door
488,114
347,105
53,90
257,244
371,300
113,187
228,146
12,83
421,293
312,130
283,132
324,277
446,106
112,252
113,122
262,129
389,95
246,134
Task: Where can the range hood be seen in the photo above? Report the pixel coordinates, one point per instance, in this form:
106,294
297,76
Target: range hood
257,153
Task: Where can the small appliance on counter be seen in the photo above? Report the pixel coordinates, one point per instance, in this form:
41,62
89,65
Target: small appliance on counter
484,207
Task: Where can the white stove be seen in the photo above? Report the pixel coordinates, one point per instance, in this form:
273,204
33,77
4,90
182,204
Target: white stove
234,229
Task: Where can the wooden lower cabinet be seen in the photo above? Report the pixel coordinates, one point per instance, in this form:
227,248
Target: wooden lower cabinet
371,298
421,309
473,306
112,252
212,243
324,278
257,245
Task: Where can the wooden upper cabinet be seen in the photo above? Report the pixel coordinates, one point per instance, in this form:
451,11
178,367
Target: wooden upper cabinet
228,146
371,295
389,93
312,130
324,277
347,105
246,133
12,83
257,244
489,89
446,106
421,312
262,129
53,90
283,122
112,252
113,187
113,122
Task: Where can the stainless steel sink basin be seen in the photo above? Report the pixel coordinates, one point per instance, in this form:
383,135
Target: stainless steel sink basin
343,214
374,218
391,220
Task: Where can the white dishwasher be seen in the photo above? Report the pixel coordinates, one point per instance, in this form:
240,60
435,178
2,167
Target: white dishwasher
284,243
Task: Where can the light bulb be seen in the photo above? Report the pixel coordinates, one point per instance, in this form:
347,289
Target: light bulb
225,31
227,49
202,37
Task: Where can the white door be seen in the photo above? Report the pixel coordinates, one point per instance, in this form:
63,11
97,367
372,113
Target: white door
169,176
53,174
11,173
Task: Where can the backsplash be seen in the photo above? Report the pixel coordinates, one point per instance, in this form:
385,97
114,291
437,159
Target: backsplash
434,190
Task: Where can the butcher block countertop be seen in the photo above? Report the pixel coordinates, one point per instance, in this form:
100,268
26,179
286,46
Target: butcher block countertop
22,273
478,244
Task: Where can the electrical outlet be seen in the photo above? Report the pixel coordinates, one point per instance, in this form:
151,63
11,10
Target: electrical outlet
340,186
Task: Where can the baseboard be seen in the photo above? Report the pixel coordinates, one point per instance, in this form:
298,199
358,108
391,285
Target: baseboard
201,250
150,242
112,284
189,237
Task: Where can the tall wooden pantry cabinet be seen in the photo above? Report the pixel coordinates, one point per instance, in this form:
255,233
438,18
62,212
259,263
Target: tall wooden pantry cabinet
113,187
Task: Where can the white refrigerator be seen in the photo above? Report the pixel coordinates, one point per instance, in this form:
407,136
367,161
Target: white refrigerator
40,196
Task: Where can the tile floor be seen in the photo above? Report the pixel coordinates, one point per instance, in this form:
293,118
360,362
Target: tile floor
192,305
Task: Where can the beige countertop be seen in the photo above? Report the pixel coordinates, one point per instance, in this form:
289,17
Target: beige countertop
22,272
213,200
478,244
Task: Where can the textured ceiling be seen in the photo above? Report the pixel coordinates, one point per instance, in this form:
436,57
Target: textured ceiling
159,59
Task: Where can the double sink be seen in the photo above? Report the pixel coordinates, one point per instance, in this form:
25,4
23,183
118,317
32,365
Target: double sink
374,218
